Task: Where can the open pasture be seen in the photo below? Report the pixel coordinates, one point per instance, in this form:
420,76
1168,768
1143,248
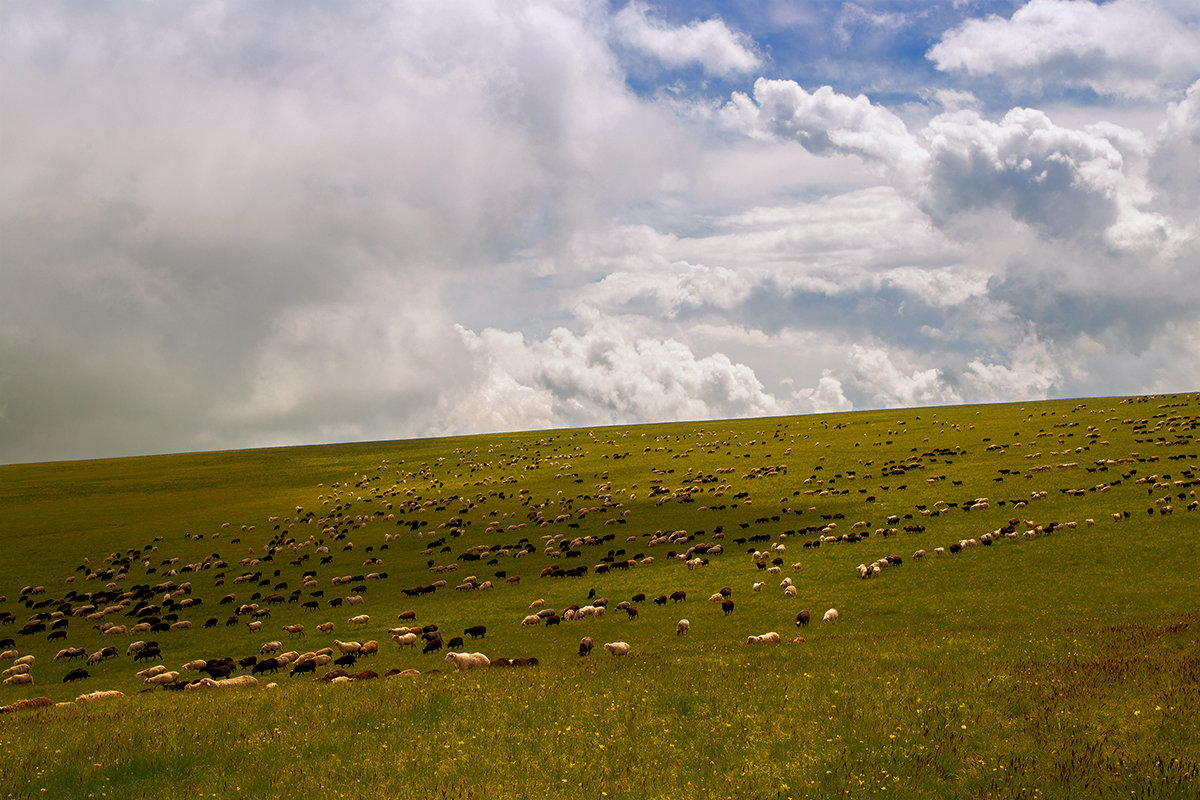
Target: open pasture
1050,650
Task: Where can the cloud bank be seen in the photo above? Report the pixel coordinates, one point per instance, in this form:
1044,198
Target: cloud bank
231,225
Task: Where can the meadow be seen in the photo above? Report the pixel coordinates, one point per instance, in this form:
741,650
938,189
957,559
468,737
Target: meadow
1060,660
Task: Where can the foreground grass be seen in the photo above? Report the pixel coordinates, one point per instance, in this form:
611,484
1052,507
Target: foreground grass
931,714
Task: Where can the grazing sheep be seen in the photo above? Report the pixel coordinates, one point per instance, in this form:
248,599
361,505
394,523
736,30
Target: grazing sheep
369,648
294,630
325,627
758,587
361,619
831,617
16,669
801,619
347,648
476,631
9,655
467,660
149,672
727,607
766,638
271,647
190,666
789,591
240,680
24,705
682,627
532,619
405,640
163,678
104,694
918,554
585,646
23,679
617,648
537,603
255,626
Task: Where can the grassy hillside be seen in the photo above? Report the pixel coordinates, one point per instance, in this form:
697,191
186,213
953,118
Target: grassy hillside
1059,660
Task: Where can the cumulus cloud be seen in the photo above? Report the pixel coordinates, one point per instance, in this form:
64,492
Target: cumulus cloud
708,44
1066,182
1132,48
608,374
826,122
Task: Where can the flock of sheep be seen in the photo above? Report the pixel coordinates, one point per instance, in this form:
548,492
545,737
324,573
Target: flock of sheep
422,522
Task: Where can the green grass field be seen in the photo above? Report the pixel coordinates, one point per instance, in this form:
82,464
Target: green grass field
1059,661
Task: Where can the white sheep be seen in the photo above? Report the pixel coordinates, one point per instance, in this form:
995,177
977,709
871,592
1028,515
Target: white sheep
531,619
617,648
682,627
361,619
16,669
347,647
467,660
9,655
758,587
191,666
767,638
29,659
104,694
163,678
24,679
405,640
789,591
149,672
831,616
270,647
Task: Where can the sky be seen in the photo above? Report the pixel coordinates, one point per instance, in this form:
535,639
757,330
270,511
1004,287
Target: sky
229,224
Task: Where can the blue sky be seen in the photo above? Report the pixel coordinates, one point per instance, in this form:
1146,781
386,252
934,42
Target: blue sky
234,224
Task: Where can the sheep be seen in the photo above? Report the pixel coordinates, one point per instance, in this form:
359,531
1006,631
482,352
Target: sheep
617,648
347,648
149,672
585,646
476,631
467,660
23,679
537,603
16,669
325,627
21,705
361,619
766,638
682,627
255,626
134,647
405,640
789,591
271,647
831,617
294,630
8,655
369,648
240,680
801,619
103,694
531,619
163,678
191,666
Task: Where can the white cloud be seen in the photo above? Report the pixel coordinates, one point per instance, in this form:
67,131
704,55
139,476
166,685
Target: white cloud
1132,48
890,384
1032,374
826,122
708,44
608,374
1065,182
